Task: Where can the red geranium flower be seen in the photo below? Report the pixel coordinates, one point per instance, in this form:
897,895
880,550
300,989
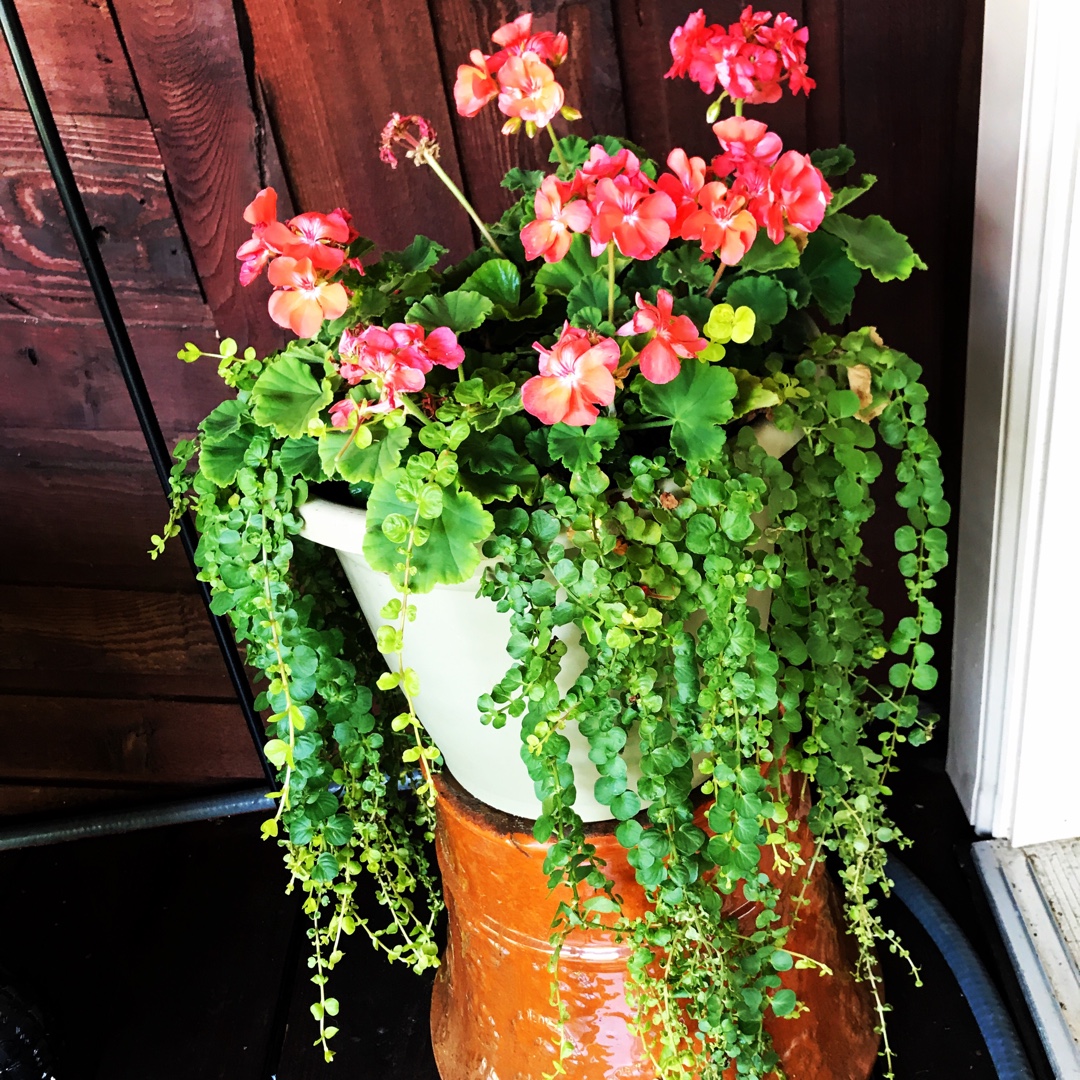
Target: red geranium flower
639,223
575,376
674,336
556,218
722,224
301,300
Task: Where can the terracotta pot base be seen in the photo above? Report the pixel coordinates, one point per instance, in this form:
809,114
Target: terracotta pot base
491,1018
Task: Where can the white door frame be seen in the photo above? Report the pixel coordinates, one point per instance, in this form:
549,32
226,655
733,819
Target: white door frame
1014,742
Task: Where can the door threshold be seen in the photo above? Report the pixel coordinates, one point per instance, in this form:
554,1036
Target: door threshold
1035,896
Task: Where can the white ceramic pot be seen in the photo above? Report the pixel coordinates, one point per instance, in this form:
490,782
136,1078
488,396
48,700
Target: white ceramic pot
457,645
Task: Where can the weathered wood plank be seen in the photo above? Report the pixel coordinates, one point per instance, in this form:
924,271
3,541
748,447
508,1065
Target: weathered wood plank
108,642
79,58
332,78
190,69
25,800
66,376
116,740
56,484
121,178
590,77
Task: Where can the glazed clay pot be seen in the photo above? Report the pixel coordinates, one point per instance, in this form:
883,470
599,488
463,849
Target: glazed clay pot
491,1018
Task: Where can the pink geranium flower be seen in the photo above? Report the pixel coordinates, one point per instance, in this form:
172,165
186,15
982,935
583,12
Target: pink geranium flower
475,85
575,376
349,413
797,193
682,184
694,49
517,38
311,236
380,356
301,300
744,140
528,91
556,218
673,336
722,224
422,350
639,223
255,253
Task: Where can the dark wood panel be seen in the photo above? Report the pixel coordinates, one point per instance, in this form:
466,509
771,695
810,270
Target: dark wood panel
107,642
121,177
117,740
190,69
331,83
590,76
113,507
67,376
78,56
926,188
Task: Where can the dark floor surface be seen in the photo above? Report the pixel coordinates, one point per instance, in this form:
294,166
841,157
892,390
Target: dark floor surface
173,954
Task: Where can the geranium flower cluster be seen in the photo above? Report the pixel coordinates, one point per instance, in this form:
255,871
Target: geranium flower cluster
750,59
395,359
302,254
520,75
612,200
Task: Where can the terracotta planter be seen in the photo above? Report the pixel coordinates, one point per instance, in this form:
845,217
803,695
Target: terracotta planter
491,1018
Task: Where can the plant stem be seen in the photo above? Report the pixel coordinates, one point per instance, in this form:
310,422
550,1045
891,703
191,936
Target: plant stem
441,173
647,424
558,149
715,281
611,281
738,106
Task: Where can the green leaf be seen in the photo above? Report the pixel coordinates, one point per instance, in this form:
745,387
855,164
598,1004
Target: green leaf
784,1001
833,162
422,254
577,447
223,421
625,806
874,245
698,401
562,276
527,180
460,310
374,452
684,265
300,457
766,296
220,461
451,552
287,397
500,281
832,275
492,468
764,255
325,868
591,292
842,403
842,196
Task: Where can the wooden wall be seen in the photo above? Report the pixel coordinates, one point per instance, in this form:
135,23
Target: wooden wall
174,112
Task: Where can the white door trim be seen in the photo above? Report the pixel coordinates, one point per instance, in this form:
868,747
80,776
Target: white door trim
1010,756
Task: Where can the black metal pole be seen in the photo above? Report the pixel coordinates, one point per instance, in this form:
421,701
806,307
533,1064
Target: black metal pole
68,190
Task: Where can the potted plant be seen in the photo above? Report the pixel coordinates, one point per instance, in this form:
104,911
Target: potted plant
628,422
